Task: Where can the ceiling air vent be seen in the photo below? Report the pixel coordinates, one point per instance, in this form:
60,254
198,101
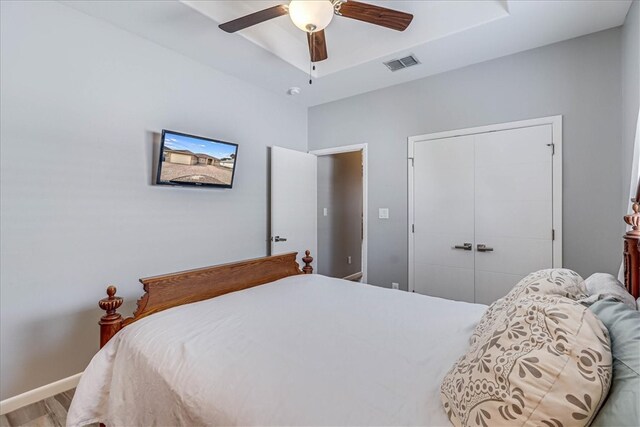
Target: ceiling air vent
399,64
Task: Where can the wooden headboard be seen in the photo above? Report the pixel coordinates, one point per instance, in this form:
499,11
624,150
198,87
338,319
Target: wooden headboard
172,290
632,248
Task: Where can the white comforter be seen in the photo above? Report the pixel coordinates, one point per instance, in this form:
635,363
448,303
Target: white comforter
304,350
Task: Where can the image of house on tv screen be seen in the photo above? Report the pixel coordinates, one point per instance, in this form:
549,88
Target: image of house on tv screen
188,159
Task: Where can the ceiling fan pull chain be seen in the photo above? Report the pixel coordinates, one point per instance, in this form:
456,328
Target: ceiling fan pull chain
311,64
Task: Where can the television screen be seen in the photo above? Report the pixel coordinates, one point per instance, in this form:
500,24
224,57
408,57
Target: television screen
193,160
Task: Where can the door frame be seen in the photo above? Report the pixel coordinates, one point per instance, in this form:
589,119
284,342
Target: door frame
365,189
556,176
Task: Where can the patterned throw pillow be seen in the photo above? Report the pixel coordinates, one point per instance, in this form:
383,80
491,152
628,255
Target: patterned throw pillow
553,281
536,358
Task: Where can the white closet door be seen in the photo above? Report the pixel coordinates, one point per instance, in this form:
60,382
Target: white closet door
513,208
443,212
293,202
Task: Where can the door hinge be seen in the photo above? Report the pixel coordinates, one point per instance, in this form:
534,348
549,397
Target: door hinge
553,234
553,148
412,161
413,228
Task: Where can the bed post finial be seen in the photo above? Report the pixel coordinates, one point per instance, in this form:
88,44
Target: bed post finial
111,322
307,259
634,219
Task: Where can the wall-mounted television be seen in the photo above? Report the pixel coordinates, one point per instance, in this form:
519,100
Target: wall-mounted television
196,161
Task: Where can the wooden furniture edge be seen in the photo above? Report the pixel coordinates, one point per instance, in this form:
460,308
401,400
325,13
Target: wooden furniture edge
184,287
632,248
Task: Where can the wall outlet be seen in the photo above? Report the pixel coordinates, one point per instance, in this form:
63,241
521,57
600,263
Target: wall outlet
349,260
383,213
395,285
324,211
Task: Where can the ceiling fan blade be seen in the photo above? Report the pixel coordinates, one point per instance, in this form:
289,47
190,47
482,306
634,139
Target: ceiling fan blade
317,46
377,15
254,18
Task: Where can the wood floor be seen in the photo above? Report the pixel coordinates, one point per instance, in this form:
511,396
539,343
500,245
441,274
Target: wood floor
50,412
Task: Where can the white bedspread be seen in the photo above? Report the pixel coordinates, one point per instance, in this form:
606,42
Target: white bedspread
304,350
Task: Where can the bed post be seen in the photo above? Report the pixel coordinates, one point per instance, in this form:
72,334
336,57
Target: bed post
307,259
632,248
111,322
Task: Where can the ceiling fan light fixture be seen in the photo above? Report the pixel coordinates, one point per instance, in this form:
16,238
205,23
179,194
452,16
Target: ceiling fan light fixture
311,15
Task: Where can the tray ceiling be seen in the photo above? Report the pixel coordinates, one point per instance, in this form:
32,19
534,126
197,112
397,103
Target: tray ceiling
351,42
444,35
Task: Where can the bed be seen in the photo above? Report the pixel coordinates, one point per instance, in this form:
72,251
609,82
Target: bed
263,342
303,350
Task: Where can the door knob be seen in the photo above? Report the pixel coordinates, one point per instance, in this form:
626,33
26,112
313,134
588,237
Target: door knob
484,248
464,246
279,239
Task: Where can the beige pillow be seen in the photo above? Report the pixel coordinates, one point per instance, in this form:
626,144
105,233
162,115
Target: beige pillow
553,281
537,358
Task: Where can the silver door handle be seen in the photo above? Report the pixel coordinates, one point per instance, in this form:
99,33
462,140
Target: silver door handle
484,248
279,239
464,246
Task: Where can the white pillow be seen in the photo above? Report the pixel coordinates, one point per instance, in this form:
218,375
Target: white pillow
602,285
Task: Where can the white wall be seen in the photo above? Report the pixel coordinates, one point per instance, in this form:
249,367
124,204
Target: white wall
630,94
578,78
80,101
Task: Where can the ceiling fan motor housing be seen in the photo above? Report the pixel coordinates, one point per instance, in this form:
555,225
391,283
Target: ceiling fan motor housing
311,15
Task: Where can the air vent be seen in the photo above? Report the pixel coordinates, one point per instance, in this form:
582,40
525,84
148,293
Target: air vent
399,64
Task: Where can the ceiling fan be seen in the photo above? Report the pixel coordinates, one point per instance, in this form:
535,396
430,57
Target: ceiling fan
313,16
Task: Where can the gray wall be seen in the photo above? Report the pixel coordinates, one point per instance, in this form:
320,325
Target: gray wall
80,102
578,78
340,232
630,93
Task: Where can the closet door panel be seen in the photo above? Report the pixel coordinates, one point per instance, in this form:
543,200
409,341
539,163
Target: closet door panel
511,218
513,208
439,249
443,217
496,148
502,258
445,282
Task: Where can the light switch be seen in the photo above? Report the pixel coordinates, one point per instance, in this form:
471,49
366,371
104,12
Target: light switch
324,211
383,213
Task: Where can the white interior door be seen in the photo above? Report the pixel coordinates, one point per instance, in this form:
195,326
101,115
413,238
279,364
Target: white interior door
513,208
293,202
443,218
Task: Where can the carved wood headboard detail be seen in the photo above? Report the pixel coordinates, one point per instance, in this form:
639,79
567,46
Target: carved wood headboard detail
632,248
172,290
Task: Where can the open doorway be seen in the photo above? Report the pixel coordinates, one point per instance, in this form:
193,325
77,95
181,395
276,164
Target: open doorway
342,206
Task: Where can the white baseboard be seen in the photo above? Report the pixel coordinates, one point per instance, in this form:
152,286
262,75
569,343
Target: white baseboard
38,394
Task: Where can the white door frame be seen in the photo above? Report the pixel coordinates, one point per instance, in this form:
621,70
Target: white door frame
365,189
556,127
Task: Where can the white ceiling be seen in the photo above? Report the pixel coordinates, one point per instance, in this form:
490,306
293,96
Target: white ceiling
351,42
444,35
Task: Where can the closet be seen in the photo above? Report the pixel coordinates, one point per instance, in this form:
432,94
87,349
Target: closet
481,209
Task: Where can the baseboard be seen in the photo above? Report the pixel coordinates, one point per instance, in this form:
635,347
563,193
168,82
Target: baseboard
38,394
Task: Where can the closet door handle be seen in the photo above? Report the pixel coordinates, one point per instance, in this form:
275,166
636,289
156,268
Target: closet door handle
484,248
464,246
279,239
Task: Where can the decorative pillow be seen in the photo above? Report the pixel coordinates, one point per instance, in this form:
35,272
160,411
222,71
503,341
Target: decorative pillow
601,285
537,357
622,406
554,281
